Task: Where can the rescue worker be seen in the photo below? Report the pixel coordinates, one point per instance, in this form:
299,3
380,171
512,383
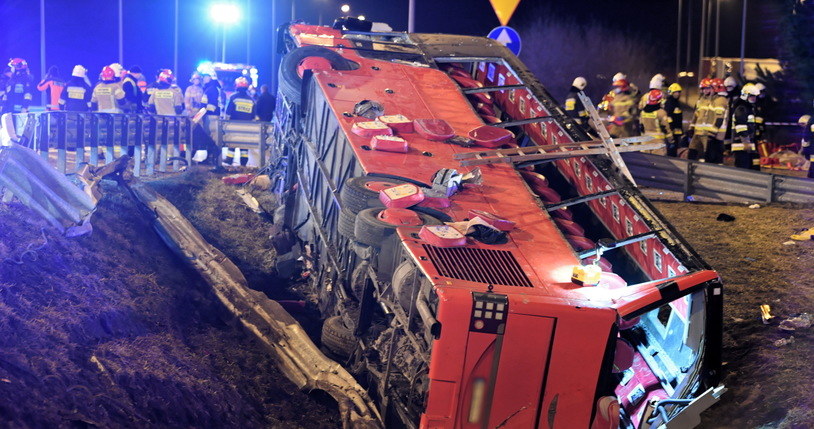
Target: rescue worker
18,94
622,119
265,104
675,116
733,93
4,77
807,143
240,107
212,95
132,93
655,121
656,82
193,95
573,105
700,126
107,94
54,85
77,94
718,118
743,129
761,106
141,81
165,99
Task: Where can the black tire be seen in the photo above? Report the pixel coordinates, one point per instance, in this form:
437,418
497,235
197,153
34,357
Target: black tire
373,232
347,220
290,82
355,196
338,338
406,278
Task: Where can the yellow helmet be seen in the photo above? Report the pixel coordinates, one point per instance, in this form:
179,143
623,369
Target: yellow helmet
674,87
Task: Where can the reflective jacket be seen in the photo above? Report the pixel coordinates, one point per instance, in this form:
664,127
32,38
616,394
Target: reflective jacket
718,116
133,96
192,98
675,115
574,107
54,88
18,93
655,122
241,106
743,126
701,117
107,97
211,98
166,100
76,95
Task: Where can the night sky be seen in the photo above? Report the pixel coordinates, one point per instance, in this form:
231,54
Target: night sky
86,31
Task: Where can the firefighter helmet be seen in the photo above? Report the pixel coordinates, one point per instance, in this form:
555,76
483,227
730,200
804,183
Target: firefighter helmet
619,76
654,96
621,84
730,83
803,121
18,64
195,75
241,82
165,76
749,90
705,83
579,83
117,69
79,71
657,81
760,87
718,85
107,74
674,87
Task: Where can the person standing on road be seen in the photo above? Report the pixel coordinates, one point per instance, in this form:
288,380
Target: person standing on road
573,105
622,119
807,143
54,85
732,94
718,118
700,126
240,107
193,95
656,82
77,93
655,121
18,94
132,92
743,129
107,94
212,95
166,99
675,116
265,104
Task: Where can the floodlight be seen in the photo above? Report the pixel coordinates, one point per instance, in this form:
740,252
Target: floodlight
224,13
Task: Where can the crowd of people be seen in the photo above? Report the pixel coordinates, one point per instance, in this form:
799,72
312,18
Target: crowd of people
119,90
728,118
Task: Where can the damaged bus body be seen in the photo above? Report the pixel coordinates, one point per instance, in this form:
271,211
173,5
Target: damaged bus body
570,303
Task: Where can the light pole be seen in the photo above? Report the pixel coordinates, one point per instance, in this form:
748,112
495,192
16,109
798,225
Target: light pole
224,14
743,35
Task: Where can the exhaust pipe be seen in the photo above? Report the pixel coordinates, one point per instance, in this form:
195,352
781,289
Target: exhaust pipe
432,324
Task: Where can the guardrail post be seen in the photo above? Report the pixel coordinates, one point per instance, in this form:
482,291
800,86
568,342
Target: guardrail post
125,135
263,145
770,189
138,138
190,147
162,151
176,143
61,142
151,142
110,125
45,134
79,148
688,179
94,139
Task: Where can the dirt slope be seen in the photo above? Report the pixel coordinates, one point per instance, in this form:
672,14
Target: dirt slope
112,330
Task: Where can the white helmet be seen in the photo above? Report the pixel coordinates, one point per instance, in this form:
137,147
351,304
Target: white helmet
749,90
730,83
117,68
760,87
619,76
79,71
579,83
803,121
657,81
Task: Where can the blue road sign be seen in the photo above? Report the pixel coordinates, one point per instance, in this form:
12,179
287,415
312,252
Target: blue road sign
508,37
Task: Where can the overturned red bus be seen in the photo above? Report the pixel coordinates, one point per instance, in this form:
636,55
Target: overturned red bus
443,203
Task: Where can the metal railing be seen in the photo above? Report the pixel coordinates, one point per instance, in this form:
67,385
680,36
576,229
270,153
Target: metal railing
693,178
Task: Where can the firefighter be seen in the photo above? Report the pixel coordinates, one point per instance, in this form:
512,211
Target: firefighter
622,119
733,93
240,107
655,121
573,105
18,94
211,96
717,119
656,82
132,93
193,94
700,126
166,99
743,129
675,116
77,93
107,94
807,143
761,107
54,85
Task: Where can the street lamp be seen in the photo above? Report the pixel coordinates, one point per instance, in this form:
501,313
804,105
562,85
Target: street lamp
361,17
224,14
345,8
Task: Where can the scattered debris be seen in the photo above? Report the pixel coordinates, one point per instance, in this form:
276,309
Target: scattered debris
804,235
789,243
766,314
754,206
748,259
237,179
800,321
723,217
784,341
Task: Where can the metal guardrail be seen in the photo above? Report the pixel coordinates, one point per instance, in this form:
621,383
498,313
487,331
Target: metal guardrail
246,135
731,184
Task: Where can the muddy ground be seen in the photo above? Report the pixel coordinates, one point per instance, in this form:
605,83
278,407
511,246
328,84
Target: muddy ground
112,330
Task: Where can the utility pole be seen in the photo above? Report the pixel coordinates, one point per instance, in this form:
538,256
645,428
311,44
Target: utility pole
743,35
411,16
703,38
42,49
678,39
121,33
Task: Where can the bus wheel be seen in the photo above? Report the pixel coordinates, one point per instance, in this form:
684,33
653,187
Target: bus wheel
290,81
374,226
338,338
347,220
359,193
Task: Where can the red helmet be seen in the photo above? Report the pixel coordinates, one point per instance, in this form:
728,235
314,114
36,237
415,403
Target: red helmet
705,83
718,85
654,96
241,82
165,76
18,64
108,73
622,84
